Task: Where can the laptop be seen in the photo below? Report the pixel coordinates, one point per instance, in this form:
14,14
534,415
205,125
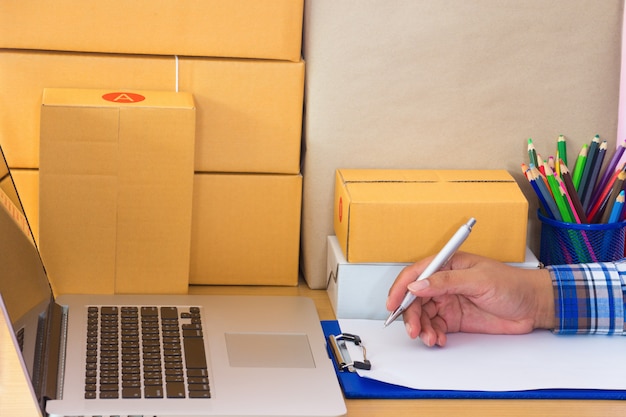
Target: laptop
156,355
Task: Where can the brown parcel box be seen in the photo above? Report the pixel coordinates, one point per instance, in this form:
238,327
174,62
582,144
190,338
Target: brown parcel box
246,229
116,187
405,215
269,29
10,203
27,184
248,117
6,185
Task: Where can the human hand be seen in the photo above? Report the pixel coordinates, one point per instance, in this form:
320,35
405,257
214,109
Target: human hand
473,294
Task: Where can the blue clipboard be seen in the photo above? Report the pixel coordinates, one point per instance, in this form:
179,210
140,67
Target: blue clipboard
355,386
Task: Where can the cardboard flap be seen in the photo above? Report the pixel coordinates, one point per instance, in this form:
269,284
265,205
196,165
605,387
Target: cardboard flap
423,175
387,175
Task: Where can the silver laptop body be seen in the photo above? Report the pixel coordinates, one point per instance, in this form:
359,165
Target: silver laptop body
263,355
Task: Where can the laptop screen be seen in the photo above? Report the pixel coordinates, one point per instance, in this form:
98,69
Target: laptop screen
24,286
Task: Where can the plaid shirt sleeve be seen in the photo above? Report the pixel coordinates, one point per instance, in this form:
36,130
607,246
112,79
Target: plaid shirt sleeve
589,298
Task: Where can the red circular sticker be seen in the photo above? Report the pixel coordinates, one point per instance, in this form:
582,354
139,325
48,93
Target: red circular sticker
123,97
340,209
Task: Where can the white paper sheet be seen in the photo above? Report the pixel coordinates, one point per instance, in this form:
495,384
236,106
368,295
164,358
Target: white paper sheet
475,362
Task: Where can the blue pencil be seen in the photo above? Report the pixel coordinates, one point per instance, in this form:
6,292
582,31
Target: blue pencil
616,212
544,194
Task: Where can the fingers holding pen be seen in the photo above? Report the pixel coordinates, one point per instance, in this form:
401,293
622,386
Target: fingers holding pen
422,321
407,276
417,318
406,279
433,328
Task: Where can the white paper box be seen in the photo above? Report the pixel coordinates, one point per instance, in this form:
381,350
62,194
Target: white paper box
359,290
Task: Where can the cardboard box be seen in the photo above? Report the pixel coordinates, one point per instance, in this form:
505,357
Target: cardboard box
6,184
405,215
116,182
264,239
456,84
359,290
246,229
249,112
269,29
11,206
27,184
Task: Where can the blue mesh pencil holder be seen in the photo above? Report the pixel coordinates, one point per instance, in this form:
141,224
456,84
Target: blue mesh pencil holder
571,243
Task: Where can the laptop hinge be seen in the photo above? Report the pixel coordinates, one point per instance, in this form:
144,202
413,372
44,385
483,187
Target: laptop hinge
45,378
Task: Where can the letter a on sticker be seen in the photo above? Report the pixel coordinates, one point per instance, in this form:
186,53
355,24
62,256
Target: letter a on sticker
123,97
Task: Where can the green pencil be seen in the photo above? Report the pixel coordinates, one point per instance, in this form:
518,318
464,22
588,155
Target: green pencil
532,153
580,166
559,198
561,148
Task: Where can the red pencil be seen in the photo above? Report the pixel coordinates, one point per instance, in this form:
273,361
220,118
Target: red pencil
602,198
525,170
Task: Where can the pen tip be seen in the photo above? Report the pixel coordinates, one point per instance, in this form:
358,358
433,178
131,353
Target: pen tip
394,316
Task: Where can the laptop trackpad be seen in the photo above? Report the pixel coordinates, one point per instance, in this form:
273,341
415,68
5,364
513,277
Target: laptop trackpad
269,350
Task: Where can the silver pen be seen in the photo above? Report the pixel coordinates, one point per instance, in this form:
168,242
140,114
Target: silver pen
438,261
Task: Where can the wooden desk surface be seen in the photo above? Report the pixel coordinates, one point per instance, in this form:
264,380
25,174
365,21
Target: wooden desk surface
21,403
435,408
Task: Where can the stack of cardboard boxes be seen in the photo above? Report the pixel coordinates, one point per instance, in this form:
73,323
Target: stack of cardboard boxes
385,219
239,61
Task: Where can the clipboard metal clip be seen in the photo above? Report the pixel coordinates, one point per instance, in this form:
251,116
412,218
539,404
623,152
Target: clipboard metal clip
341,355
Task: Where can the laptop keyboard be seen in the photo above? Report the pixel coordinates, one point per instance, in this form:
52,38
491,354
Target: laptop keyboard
145,352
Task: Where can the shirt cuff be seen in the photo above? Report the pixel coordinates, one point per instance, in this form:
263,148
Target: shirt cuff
588,298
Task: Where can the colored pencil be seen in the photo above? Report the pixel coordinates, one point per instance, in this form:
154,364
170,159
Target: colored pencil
580,165
616,212
560,200
541,172
540,163
589,166
544,206
593,174
561,148
525,171
604,195
545,193
574,238
571,191
612,188
610,169
568,199
532,153
610,202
